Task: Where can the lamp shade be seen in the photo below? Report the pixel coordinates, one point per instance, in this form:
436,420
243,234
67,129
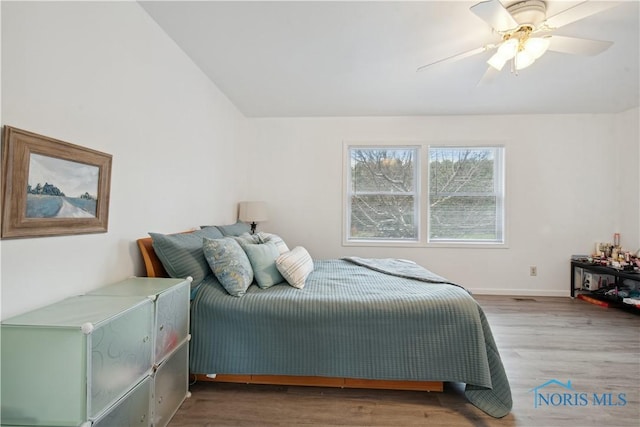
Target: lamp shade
252,211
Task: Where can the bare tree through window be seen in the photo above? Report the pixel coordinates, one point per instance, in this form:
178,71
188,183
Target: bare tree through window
383,193
465,194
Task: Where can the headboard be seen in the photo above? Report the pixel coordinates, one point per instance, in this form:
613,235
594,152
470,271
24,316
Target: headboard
152,264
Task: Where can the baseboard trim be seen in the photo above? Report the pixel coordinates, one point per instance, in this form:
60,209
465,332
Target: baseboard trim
521,292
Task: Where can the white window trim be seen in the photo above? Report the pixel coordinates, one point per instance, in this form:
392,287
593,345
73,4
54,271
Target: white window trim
422,205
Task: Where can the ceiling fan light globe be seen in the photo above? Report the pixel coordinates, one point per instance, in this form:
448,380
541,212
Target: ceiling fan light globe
523,60
536,46
508,49
497,61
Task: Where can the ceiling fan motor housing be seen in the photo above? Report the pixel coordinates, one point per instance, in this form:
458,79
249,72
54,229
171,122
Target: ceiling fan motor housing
528,12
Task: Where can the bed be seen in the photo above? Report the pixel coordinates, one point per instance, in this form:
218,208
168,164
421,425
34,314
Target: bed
366,323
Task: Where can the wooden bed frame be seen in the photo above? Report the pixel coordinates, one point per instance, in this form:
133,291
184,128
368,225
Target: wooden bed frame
154,268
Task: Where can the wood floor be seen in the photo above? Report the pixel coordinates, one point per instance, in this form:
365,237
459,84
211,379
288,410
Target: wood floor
540,339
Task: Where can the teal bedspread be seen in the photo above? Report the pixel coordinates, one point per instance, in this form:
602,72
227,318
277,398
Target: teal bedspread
356,322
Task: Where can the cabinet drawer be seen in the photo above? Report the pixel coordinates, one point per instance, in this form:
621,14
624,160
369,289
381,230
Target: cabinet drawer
120,356
171,382
132,410
171,298
172,320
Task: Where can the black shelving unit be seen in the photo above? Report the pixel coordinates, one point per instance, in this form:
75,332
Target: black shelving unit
600,294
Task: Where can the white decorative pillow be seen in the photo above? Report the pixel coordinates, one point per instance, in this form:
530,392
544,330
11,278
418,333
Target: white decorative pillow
295,266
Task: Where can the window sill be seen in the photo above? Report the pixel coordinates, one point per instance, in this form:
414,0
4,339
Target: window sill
467,245
417,244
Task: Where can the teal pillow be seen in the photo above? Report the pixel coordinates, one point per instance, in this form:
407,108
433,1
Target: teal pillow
236,229
269,237
181,254
229,264
263,262
247,238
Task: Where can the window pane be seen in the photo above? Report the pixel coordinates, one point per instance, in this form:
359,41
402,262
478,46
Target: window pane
382,194
465,194
383,217
382,170
466,218
461,170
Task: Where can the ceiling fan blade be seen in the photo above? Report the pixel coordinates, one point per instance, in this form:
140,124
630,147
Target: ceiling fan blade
488,77
495,14
576,46
458,56
578,12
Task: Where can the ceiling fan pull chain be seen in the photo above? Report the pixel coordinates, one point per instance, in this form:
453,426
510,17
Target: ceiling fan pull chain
514,66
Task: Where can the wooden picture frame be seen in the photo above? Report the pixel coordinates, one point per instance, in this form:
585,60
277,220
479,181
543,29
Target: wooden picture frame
52,187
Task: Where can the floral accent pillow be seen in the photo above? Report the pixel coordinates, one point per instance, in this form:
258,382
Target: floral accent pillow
229,264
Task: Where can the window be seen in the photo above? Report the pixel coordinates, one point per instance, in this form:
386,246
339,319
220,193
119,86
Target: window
466,195
382,194
458,197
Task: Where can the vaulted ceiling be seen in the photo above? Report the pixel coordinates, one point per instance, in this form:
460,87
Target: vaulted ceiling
359,58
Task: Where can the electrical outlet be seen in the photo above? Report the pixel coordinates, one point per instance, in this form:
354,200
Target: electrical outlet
533,270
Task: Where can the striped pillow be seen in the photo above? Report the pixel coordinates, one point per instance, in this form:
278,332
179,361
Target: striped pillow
295,266
181,254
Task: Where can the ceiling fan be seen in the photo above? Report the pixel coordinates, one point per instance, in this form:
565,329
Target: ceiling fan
527,33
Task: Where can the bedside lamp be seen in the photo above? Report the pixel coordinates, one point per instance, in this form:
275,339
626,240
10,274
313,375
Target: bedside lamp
252,212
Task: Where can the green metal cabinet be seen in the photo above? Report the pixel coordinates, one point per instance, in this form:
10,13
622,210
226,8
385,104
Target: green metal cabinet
117,356
65,364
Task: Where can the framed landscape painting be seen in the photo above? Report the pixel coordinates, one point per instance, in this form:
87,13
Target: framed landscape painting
52,187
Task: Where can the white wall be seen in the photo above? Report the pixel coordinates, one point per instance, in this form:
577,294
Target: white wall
103,75
627,127
561,190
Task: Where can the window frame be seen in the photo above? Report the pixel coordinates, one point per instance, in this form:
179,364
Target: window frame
421,175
